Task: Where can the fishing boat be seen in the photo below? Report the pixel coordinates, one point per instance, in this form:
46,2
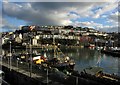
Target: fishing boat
64,65
59,60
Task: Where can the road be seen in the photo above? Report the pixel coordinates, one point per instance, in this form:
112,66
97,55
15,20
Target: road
24,68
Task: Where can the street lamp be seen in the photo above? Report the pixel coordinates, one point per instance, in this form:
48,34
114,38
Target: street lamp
47,76
17,63
26,52
77,80
112,43
54,45
106,43
10,57
30,59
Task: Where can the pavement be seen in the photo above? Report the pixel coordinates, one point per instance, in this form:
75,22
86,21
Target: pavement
24,68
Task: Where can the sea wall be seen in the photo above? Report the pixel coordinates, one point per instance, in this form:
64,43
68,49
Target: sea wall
16,78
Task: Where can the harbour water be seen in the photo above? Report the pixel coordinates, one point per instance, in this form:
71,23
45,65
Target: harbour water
84,57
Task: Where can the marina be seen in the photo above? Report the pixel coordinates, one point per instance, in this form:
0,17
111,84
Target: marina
59,43
91,57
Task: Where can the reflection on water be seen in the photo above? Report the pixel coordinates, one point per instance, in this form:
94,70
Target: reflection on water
84,58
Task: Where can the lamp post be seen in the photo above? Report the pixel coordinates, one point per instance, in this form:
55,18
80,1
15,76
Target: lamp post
47,76
112,43
30,59
10,57
106,43
17,63
54,45
26,52
76,80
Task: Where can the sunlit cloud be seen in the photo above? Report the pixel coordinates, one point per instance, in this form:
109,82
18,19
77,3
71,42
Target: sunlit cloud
63,13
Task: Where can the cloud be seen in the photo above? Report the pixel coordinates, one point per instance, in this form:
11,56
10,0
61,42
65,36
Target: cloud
91,24
106,8
46,13
98,26
7,26
61,0
72,16
113,18
62,13
0,17
109,28
104,16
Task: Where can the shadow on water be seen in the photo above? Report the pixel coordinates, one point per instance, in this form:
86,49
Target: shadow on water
84,57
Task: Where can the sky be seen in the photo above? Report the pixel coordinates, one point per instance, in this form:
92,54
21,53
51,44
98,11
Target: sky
102,16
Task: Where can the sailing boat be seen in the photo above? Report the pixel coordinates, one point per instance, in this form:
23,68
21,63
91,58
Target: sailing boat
61,63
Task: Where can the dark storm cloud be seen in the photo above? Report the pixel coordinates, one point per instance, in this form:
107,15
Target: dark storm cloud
42,13
54,13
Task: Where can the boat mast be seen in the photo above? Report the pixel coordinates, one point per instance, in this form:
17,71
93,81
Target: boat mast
54,45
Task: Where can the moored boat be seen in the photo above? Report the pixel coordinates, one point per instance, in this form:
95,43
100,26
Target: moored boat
112,51
98,73
61,63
